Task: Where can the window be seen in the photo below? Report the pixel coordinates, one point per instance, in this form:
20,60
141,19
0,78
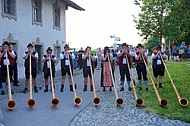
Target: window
9,9
56,16
37,12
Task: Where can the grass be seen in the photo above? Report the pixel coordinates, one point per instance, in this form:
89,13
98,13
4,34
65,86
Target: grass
180,74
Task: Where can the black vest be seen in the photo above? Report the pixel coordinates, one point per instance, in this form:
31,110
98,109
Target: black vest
33,61
65,58
154,62
85,62
45,68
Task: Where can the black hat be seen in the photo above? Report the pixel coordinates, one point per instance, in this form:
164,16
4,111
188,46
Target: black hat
158,47
124,44
6,43
106,48
30,44
66,46
49,48
139,45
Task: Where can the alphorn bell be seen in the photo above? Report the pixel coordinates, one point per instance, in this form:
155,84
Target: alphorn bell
96,99
139,101
118,100
31,102
11,104
77,99
182,101
54,100
162,102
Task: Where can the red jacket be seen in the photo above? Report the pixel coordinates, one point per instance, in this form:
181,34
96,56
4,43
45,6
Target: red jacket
10,59
120,59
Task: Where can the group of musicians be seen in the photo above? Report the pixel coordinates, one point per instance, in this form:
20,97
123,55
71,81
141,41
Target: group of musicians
107,68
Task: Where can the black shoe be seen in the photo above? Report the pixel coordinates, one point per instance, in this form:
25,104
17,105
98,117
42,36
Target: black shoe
2,92
12,92
25,90
160,85
35,89
110,89
140,88
104,89
121,89
91,88
46,90
130,88
71,87
16,85
146,89
61,90
85,88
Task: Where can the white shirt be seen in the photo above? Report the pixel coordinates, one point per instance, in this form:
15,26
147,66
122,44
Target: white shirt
48,62
36,55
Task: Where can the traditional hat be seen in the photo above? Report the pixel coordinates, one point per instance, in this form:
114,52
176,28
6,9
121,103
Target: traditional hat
124,44
49,48
30,44
66,46
6,43
158,47
139,45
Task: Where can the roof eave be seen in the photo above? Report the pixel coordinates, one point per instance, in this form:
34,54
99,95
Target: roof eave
72,4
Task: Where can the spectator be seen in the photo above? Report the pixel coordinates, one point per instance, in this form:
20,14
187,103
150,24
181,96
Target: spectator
184,48
1,48
174,53
181,52
188,52
99,59
15,69
75,64
80,60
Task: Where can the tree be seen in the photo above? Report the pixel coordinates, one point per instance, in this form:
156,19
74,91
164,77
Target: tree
164,18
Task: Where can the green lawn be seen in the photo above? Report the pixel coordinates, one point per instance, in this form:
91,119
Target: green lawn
180,74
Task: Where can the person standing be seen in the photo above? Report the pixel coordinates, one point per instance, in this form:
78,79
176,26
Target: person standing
106,78
88,60
15,69
80,60
1,48
47,58
124,56
158,66
99,58
75,64
66,58
141,67
4,62
34,57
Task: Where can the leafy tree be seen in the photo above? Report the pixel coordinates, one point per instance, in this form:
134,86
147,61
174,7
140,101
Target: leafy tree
164,18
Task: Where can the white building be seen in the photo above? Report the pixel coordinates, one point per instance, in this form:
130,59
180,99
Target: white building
40,22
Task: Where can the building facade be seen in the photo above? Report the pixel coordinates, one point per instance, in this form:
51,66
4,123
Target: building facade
40,22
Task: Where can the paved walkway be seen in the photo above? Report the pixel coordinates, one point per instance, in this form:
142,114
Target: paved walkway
106,114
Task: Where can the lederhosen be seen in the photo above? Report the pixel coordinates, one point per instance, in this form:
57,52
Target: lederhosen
86,67
46,67
141,68
123,67
65,65
33,64
4,68
158,66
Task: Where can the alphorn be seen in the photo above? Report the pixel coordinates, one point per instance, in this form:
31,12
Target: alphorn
54,100
162,102
139,101
11,104
77,99
31,102
96,99
182,101
118,100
